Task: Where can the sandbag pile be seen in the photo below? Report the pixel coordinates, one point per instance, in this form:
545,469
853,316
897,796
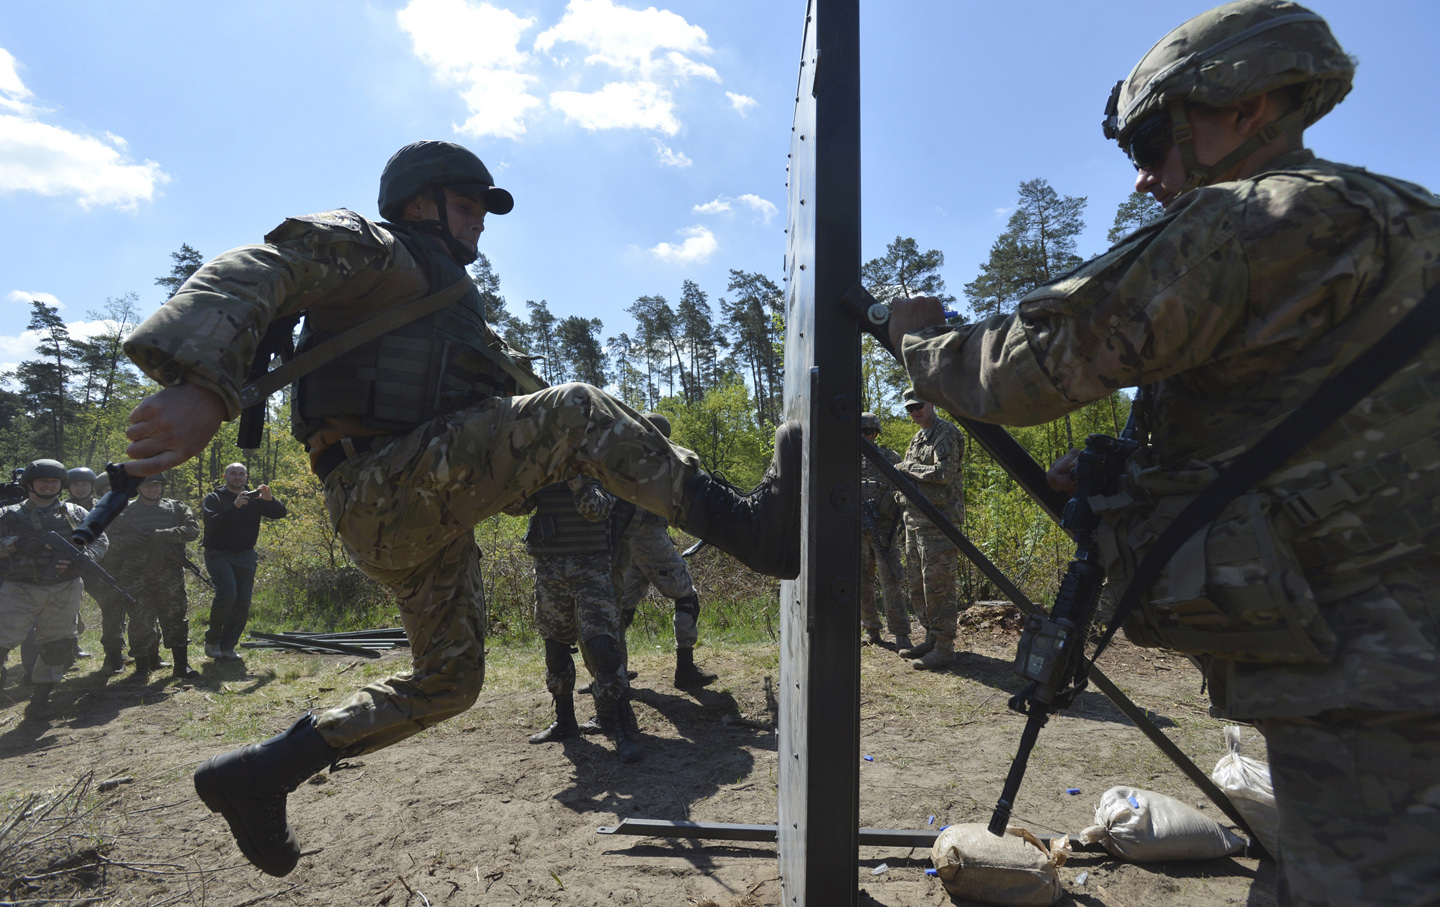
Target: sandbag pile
1016,870
1246,782
1146,827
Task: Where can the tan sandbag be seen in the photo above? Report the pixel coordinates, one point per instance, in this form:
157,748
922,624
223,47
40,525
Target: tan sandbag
1146,827
1246,782
1016,870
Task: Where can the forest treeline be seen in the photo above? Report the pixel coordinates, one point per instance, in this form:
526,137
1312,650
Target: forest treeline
711,360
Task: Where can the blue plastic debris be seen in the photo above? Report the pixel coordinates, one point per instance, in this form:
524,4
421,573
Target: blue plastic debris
930,821
1133,802
869,758
1072,791
932,872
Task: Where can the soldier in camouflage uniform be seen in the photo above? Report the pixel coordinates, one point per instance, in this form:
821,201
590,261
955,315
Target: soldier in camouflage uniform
112,607
147,548
575,602
933,461
418,434
646,556
879,514
80,482
39,592
1312,602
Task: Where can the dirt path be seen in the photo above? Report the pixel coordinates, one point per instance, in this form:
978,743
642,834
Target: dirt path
469,813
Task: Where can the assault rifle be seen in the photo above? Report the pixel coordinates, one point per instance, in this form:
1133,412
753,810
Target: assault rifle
13,492
123,487
80,563
1051,654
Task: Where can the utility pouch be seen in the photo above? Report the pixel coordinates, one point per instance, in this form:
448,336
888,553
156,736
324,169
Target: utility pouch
1234,590
540,530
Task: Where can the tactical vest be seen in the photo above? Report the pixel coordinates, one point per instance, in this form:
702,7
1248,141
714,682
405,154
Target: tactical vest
131,534
1362,498
557,528
22,519
412,374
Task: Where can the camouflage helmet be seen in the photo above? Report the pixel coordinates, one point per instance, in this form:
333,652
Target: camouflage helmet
43,469
661,423
80,474
423,164
869,422
1223,56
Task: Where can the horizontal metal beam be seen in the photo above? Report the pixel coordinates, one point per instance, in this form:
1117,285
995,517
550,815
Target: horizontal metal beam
730,831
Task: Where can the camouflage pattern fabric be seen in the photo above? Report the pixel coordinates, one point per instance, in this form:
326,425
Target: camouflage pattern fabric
933,461
648,557
145,543
575,600
48,610
1359,801
398,504
880,548
931,568
1236,304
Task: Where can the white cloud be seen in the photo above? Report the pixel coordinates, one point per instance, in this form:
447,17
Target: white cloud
22,347
669,156
476,46
698,246
48,160
1004,212
719,206
620,105
643,42
741,102
23,297
726,205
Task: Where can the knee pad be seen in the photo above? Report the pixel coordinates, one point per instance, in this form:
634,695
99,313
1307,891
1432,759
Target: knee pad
690,605
59,652
606,653
558,658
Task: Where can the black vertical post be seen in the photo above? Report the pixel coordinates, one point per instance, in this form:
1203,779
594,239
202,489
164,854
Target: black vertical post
819,741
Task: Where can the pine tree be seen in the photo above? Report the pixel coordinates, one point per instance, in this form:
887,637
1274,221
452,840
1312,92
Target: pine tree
1135,212
577,340
44,382
540,332
1038,245
754,319
905,271
187,262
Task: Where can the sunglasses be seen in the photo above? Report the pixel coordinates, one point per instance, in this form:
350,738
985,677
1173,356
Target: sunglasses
1150,143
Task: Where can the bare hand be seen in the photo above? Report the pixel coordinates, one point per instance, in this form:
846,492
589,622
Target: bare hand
265,494
61,567
241,500
171,426
909,315
1061,474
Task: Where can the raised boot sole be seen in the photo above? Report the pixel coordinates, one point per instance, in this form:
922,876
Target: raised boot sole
211,788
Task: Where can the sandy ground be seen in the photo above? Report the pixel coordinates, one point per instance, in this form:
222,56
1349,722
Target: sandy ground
469,813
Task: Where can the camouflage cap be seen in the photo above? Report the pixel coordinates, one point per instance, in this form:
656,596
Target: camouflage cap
912,399
432,163
81,474
869,422
1230,53
43,469
160,477
661,423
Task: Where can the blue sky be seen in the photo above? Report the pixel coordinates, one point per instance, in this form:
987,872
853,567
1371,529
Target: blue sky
644,145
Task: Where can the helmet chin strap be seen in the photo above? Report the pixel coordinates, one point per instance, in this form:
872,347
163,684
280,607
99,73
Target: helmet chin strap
1196,174
459,251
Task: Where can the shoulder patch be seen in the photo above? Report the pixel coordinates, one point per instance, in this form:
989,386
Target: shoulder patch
339,225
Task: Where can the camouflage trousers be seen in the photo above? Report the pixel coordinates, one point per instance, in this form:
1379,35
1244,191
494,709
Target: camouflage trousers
887,560
406,512
160,609
931,565
48,610
112,616
648,557
1359,801
575,601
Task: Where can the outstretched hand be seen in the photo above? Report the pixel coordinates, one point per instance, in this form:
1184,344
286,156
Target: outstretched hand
907,315
171,426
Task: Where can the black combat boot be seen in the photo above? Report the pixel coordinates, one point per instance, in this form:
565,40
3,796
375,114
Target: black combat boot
564,725
686,673
248,787
873,637
114,662
760,528
626,745
39,708
182,669
144,664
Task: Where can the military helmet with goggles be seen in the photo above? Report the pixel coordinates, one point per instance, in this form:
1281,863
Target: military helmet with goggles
1220,57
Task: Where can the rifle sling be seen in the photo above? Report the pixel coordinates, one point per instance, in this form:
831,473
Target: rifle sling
308,361
1333,399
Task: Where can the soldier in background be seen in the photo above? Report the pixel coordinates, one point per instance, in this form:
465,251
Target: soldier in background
39,591
575,602
932,461
1312,604
879,517
147,558
80,482
646,557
